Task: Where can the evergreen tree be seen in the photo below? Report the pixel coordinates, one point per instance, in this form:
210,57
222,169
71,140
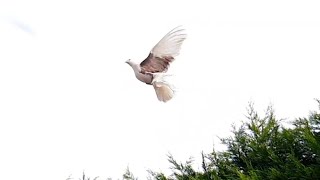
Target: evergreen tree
260,149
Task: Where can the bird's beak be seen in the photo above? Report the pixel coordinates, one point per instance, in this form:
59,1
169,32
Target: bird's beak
127,61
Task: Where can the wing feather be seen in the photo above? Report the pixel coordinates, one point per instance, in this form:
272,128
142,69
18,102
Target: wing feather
170,44
153,64
164,52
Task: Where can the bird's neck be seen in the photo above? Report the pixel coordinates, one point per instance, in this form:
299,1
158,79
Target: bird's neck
135,66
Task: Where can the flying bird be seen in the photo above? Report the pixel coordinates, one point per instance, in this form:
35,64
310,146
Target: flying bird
152,70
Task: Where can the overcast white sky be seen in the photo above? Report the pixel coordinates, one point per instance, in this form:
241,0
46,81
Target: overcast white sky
69,103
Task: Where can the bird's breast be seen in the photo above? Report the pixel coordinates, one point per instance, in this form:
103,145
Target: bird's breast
144,77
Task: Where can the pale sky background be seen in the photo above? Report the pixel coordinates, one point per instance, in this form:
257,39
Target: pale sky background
69,103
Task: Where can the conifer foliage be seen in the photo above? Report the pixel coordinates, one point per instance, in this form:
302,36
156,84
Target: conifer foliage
261,148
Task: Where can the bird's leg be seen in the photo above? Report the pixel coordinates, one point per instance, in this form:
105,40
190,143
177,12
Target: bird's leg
150,74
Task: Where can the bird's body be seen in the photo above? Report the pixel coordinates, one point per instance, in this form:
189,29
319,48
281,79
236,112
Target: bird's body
152,70
146,78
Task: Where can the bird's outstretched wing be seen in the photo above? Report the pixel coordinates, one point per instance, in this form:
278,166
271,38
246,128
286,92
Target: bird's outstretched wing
164,52
170,44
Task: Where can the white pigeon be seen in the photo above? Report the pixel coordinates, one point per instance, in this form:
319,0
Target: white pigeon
152,70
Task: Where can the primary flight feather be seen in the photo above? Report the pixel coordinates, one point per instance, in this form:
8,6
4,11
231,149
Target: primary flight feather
152,70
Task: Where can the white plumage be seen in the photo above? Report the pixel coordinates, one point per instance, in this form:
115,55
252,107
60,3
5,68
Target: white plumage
170,44
152,70
164,90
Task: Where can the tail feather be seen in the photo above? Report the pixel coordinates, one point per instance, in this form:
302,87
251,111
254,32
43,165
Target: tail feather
164,90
